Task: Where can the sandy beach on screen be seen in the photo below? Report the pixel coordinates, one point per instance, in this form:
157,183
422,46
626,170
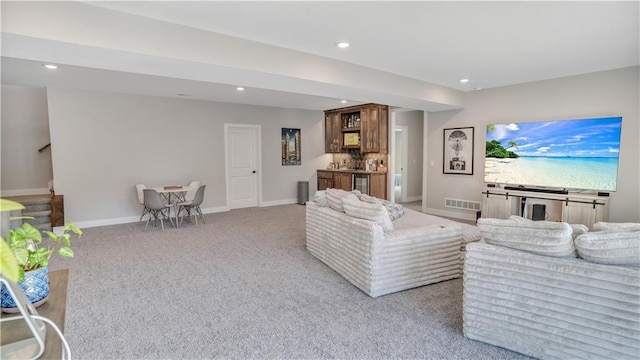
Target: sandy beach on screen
572,173
501,171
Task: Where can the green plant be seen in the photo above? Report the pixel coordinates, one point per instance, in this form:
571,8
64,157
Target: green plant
8,265
26,249
33,252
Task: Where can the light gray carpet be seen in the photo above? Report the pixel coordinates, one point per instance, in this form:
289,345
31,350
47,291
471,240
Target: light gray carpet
243,286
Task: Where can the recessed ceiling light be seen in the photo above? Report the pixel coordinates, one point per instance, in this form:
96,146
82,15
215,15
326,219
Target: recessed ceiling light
464,80
50,66
343,45
240,88
343,101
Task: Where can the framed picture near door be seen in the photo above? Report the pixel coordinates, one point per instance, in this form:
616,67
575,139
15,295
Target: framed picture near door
291,147
458,151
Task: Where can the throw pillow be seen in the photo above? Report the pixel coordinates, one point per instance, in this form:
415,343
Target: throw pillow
334,196
369,199
362,210
611,248
578,229
395,210
537,237
320,198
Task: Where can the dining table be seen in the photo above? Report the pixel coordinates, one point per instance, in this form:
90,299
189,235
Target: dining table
173,195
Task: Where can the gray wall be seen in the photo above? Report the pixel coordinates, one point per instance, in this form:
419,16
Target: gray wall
414,121
24,129
107,142
607,93
104,143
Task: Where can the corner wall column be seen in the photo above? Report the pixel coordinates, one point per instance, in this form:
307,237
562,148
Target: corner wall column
425,159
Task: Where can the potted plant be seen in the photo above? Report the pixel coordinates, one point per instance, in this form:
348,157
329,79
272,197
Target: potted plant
8,265
31,252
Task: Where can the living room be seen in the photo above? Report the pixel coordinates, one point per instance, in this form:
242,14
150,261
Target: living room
110,130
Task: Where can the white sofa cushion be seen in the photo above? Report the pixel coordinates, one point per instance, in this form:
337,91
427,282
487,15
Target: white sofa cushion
611,248
617,227
369,199
320,198
395,210
362,210
334,196
576,229
537,237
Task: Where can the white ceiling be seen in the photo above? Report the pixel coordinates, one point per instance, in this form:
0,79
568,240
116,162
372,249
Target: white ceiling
421,43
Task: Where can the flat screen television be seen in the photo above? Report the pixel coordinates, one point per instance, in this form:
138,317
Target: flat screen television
580,154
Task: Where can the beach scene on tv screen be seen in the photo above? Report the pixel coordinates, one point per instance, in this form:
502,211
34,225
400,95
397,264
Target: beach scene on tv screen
568,154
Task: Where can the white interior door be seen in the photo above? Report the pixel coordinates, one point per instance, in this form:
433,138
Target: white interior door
243,165
401,133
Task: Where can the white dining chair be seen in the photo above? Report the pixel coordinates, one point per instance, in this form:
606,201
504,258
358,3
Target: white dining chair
192,207
156,207
192,193
139,189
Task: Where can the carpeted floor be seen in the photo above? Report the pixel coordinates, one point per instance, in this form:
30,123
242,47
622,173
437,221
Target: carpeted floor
243,286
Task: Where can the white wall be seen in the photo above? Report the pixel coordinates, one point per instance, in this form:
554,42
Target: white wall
607,93
24,130
414,121
108,142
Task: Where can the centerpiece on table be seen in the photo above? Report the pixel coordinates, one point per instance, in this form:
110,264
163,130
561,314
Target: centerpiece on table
31,253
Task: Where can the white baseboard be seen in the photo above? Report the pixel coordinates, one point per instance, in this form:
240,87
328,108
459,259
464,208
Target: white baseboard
278,202
413,198
216,209
470,216
130,219
21,192
104,222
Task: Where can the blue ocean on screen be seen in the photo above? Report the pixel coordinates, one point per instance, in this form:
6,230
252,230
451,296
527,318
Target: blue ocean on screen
560,172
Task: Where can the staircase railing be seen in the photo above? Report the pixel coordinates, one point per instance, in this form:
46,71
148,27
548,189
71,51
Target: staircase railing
44,147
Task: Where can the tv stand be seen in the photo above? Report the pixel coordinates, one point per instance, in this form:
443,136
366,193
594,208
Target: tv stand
573,208
542,190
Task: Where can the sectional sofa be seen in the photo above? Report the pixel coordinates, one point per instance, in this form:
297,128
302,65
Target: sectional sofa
527,290
379,256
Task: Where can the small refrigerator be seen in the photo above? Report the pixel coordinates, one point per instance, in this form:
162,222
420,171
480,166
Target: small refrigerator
361,183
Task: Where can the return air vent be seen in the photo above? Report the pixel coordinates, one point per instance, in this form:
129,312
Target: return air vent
462,204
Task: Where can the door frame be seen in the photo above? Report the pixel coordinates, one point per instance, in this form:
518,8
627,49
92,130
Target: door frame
258,129
404,131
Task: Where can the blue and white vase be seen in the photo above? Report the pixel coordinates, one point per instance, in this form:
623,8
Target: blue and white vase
35,286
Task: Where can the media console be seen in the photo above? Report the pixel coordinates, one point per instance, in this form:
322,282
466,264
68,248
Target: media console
573,208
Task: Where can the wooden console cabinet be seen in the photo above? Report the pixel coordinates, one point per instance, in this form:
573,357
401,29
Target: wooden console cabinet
343,179
365,127
573,208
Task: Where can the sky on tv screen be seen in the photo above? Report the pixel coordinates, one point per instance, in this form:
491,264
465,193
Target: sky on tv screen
563,138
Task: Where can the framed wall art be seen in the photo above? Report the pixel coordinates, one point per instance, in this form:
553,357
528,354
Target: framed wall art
291,147
458,151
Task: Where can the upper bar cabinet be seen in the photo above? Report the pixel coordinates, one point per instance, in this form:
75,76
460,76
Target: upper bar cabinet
362,127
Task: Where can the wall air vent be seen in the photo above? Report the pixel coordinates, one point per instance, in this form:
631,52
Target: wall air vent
462,204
